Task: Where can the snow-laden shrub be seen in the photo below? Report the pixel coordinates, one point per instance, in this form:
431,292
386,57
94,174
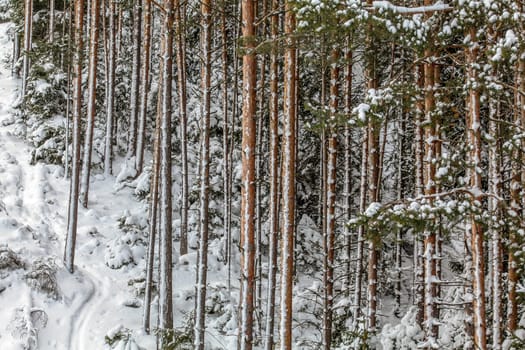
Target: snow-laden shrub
118,254
404,335
178,338
9,260
129,246
24,326
42,277
121,338
142,183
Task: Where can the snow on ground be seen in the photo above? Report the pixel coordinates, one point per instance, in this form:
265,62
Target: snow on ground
43,306
33,207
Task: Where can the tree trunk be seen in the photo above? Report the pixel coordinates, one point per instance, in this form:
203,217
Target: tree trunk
28,38
516,200
51,33
419,271
69,254
348,171
144,86
474,138
495,188
225,132
429,253
373,129
165,232
110,103
273,175
206,23
249,132
91,103
330,204
135,79
361,230
288,180
181,75
153,216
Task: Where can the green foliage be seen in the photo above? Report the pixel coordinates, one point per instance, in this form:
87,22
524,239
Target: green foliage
177,339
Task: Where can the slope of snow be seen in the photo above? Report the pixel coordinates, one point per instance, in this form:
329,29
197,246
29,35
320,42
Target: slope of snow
33,202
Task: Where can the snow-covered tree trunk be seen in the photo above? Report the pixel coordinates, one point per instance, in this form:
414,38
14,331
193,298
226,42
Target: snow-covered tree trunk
429,175
261,118
153,215
273,175
357,312
348,180
110,78
328,273
495,188
16,55
144,86
91,102
399,195
51,31
474,138
373,129
202,267
288,180
516,188
135,79
165,197
248,150
225,132
69,253
28,38
181,76
419,272
235,114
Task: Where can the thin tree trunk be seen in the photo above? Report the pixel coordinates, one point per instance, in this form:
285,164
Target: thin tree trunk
15,72
419,271
330,204
135,79
429,254
288,180
91,103
28,38
200,313
249,132
399,233
165,233
235,113
516,201
144,86
51,33
495,188
361,230
348,170
259,172
225,129
181,75
273,174
110,103
474,137
69,254
153,215
373,130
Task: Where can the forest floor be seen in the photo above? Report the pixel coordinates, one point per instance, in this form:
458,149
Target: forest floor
44,306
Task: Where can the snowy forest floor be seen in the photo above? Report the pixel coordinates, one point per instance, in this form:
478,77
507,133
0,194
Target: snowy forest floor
43,306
